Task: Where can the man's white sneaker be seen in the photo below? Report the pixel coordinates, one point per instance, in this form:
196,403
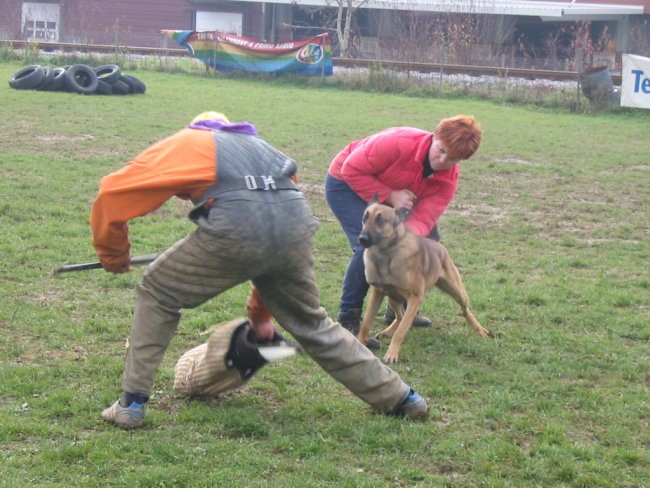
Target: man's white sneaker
130,417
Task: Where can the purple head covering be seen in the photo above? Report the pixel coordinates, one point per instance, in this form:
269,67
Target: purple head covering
218,124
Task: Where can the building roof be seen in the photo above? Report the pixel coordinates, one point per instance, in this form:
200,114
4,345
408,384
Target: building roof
548,10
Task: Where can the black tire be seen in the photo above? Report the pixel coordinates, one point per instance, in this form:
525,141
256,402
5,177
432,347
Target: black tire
58,81
120,88
48,77
103,88
127,79
80,78
108,73
140,87
27,78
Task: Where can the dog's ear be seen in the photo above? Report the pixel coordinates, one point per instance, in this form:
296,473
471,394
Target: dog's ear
374,199
402,213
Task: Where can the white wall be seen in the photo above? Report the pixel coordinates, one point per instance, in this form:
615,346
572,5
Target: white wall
226,22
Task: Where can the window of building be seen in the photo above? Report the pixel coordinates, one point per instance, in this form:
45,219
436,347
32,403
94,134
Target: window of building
40,21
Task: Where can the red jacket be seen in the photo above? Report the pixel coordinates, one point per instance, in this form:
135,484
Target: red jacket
393,160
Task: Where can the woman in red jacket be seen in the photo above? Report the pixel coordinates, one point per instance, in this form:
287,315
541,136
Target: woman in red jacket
406,167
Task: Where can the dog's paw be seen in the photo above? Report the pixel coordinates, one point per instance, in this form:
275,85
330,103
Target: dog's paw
391,358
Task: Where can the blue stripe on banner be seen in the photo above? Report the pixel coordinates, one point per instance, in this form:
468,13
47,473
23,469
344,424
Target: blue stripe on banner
272,66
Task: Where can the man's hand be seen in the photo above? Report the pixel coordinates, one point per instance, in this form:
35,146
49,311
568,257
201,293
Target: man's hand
117,267
402,198
264,329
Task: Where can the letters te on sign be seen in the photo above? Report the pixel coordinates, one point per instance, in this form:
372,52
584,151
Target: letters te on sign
635,84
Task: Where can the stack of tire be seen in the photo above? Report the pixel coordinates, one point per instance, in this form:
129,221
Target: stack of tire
107,79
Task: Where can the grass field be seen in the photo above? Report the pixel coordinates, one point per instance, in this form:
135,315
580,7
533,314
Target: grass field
550,230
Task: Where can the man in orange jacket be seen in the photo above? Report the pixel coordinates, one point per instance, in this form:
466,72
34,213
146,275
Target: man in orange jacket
252,224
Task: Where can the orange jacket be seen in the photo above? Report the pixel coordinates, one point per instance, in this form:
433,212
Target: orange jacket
182,165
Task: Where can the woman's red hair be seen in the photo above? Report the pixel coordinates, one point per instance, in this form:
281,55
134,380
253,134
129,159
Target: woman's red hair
461,136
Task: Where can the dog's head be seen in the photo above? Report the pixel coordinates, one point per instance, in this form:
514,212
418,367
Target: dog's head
381,223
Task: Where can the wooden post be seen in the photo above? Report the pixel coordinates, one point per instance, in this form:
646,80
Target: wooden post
579,60
117,37
442,63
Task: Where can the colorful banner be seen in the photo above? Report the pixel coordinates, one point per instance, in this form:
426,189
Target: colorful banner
635,81
311,56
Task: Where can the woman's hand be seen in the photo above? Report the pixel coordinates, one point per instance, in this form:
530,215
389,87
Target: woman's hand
402,198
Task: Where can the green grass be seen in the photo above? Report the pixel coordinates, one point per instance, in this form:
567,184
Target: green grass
550,229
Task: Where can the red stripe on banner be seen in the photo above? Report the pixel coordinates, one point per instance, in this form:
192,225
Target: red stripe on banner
253,45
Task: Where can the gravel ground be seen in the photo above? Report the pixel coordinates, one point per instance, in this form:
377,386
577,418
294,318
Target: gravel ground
462,80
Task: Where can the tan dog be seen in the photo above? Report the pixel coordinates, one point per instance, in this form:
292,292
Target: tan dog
404,267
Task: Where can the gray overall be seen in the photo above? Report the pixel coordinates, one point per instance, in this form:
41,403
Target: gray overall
254,232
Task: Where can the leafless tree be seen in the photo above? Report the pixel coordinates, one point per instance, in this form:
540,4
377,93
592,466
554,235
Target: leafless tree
414,36
639,36
345,12
554,43
336,16
454,35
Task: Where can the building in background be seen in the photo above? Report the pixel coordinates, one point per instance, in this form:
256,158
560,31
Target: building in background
494,32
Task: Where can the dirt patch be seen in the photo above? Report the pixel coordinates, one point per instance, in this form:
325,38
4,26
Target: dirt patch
56,138
46,355
516,161
480,212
